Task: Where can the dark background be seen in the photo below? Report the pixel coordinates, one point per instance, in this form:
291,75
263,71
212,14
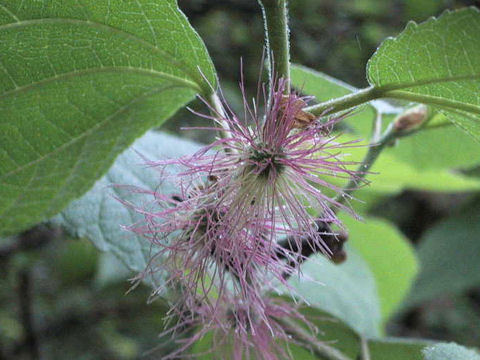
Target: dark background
61,299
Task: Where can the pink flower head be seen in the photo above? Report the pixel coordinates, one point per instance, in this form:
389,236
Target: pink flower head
273,170
239,330
197,256
237,196
265,180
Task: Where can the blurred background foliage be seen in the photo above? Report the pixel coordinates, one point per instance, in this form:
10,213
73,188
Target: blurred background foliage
77,297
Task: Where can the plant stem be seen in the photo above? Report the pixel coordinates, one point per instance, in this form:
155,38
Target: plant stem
320,349
373,152
345,102
365,351
26,313
219,113
275,16
371,93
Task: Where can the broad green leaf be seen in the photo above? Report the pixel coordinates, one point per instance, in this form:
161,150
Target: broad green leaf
449,352
396,349
436,62
390,257
448,255
324,88
79,82
347,291
98,216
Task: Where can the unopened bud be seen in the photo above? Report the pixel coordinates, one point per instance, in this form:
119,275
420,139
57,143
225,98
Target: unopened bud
411,118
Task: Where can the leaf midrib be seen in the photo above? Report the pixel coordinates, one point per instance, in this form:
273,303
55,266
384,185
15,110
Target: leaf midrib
112,69
168,57
87,132
418,83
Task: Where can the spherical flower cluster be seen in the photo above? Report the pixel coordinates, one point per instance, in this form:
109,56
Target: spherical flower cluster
236,198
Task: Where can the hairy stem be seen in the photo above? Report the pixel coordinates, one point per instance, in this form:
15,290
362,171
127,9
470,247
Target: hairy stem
275,16
371,93
345,102
320,349
219,113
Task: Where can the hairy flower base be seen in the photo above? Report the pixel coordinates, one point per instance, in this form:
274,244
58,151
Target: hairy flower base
238,331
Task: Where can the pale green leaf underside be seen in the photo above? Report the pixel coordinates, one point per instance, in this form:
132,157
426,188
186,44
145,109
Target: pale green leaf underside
347,291
449,351
98,216
438,62
78,83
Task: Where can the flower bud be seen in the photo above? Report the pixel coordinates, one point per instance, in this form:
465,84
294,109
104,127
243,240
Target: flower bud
411,118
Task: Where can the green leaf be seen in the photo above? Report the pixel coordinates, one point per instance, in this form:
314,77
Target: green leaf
98,216
436,62
390,257
448,254
438,148
324,88
347,291
390,174
449,352
79,82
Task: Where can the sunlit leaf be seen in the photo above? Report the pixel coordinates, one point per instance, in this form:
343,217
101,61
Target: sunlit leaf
436,62
390,257
79,82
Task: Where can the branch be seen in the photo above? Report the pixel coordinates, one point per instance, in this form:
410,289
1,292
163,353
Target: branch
275,16
345,102
371,93
26,313
405,124
365,351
